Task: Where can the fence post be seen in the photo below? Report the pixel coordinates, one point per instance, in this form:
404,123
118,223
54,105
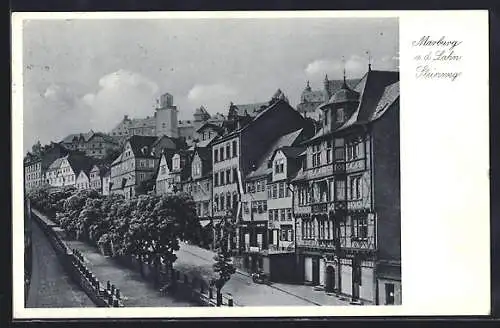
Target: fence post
230,300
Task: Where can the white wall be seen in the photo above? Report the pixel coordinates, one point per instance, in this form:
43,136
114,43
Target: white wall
366,289
308,269
346,274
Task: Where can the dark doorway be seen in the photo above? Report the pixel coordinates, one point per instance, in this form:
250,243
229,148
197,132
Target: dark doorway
315,271
389,294
330,279
356,279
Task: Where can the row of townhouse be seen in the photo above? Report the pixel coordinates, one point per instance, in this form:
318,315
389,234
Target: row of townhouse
318,205
79,171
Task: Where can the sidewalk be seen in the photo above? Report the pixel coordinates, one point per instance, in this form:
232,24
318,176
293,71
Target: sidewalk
307,292
134,290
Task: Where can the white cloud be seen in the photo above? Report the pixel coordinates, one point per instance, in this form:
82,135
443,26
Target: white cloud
215,97
355,66
58,110
120,93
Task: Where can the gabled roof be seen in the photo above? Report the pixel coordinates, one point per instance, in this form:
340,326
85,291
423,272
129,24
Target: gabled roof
284,141
80,163
292,152
56,163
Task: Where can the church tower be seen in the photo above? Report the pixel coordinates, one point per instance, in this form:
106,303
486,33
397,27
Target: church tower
166,117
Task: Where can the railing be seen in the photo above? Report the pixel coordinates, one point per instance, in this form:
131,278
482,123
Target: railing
72,261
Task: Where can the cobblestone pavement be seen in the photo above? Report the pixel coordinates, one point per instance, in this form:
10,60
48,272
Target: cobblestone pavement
50,286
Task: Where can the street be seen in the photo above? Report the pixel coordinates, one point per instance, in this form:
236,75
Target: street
198,261
50,286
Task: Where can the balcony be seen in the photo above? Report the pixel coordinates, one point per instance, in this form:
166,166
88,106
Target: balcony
317,244
355,165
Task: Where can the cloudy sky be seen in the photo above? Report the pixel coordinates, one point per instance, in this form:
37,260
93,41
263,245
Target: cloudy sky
83,74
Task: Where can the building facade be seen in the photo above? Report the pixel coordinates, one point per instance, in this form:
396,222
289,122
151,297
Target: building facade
64,171
106,182
82,181
37,163
96,177
93,144
138,163
347,194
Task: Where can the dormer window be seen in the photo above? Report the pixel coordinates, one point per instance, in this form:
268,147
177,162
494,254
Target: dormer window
340,115
176,162
326,118
279,166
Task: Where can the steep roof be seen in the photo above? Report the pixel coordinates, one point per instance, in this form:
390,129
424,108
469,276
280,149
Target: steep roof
377,89
56,164
372,88
292,152
390,95
335,85
142,145
283,141
143,122
80,163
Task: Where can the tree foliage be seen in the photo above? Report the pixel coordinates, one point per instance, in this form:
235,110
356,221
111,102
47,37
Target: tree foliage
148,227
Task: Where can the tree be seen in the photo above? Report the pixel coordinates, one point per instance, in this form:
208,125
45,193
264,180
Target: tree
145,187
223,265
36,149
111,154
